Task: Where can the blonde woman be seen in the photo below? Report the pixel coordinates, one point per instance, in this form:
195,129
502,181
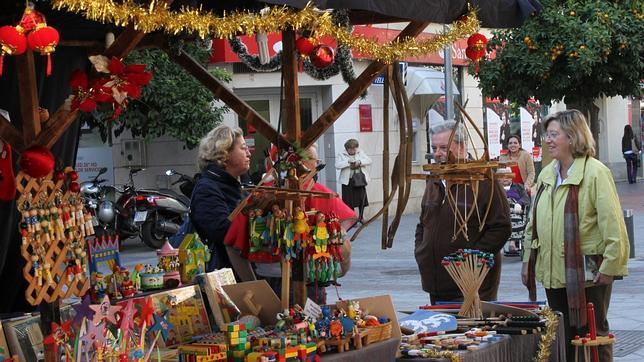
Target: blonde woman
223,157
350,162
576,241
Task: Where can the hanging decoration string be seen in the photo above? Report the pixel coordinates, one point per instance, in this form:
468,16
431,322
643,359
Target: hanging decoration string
552,323
158,16
342,62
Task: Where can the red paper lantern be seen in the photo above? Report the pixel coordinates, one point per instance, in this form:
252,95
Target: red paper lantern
12,42
477,41
304,46
37,161
322,56
474,55
44,40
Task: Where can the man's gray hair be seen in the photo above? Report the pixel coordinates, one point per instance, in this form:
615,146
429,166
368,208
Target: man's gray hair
448,126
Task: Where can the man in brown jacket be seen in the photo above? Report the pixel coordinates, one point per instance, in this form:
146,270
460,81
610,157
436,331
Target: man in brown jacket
437,224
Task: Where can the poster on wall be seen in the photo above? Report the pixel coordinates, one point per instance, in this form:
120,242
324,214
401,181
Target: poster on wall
366,121
498,126
533,117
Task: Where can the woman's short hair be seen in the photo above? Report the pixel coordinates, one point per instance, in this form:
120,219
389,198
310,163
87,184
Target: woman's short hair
351,143
448,126
214,147
574,124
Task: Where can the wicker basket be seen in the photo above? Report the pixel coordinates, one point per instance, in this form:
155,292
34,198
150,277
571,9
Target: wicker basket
378,333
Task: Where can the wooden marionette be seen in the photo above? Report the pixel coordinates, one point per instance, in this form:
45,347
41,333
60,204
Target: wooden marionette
320,233
33,219
301,229
288,237
258,231
36,266
88,224
277,229
67,217
335,237
44,226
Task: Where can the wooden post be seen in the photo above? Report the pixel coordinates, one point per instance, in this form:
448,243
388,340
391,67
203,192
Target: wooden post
10,134
385,157
294,134
28,92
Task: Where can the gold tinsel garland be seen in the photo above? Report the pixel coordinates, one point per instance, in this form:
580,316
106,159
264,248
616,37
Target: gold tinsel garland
158,16
552,322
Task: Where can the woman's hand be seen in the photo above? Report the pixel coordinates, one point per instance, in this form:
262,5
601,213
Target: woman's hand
603,279
524,274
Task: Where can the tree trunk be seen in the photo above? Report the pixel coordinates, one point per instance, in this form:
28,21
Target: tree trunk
591,112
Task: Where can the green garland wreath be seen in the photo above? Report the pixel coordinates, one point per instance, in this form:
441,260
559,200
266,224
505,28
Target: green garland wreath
342,62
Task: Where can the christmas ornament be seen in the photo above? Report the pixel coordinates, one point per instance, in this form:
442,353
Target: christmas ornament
476,49
37,161
12,42
304,46
30,20
44,40
7,179
322,56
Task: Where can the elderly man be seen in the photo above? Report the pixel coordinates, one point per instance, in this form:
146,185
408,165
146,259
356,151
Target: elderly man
435,231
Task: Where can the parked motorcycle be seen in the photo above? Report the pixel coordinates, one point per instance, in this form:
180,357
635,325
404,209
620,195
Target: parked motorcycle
95,194
154,215
187,183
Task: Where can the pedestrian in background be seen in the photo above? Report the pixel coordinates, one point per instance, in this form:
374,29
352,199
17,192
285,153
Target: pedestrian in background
576,242
631,148
524,169
354,176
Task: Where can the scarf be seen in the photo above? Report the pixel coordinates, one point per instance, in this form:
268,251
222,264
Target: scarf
574,260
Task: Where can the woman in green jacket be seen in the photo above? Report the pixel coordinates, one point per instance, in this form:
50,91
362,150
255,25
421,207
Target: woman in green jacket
576,242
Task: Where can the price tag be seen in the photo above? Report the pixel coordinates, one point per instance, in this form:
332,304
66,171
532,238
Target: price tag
312,309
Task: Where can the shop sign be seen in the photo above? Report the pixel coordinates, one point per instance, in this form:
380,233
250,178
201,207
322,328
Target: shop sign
366,123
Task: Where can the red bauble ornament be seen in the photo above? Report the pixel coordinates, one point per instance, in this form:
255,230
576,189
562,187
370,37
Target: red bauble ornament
74,187
322,56
59,176
73,175
304,46
44,39
37,161
477,41
12,42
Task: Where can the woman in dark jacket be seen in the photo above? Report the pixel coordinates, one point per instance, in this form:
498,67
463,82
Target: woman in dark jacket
631,148
223,158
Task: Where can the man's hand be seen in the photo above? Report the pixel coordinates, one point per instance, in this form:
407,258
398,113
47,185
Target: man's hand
603,279
524,274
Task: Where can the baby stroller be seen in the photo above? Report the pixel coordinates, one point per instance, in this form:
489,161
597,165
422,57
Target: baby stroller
519,203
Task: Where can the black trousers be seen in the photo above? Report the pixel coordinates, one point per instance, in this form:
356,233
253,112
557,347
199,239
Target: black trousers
631,167
600,297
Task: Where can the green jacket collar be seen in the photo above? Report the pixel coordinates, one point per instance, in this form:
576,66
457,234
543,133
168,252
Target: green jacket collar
576,176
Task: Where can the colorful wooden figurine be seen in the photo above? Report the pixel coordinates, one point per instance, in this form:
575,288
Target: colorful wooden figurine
301,229
320,233
277,229
288,237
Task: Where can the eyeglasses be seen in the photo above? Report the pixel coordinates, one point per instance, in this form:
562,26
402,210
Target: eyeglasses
552,135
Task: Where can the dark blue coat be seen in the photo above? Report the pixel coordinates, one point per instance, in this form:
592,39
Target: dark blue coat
215,196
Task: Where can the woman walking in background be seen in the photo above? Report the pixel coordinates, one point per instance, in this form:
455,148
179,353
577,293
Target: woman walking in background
354,176
631,148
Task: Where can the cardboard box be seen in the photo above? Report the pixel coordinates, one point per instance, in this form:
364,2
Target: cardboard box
255,298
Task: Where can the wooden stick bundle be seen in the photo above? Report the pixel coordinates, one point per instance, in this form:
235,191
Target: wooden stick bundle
468,268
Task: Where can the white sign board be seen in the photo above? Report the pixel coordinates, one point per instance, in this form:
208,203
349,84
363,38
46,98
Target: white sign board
493,133
91,159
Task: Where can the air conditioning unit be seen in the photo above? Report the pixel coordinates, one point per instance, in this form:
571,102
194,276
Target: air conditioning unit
133,153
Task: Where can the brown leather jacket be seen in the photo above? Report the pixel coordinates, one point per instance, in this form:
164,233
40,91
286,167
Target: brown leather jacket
437,226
